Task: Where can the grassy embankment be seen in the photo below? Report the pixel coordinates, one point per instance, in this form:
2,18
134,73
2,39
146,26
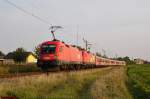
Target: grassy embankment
16,68
103,83
139,81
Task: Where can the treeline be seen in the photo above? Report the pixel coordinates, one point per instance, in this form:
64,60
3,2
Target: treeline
19,55
127,59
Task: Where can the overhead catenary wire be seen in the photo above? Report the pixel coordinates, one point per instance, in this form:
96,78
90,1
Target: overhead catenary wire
36,8
40,19
27,12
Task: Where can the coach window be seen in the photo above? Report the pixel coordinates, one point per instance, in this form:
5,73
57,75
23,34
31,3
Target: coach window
60,49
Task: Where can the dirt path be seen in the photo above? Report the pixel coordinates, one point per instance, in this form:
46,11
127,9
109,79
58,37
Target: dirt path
111,85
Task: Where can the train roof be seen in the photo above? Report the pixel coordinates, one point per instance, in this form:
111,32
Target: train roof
61,42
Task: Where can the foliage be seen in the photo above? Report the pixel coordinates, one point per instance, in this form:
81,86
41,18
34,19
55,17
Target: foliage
139,81
67,85
1,53
37,51
11,69
98,54
19,55
23,68
104,53
126,59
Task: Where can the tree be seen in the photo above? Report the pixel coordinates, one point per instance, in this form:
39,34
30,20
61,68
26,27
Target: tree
10,55
126,59
1,53
19,55
98,54
104,53
37,51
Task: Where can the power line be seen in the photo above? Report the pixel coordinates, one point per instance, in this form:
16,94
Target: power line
25,11
39,18
37,8
29,13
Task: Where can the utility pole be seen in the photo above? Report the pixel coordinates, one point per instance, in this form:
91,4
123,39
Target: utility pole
77,34
53,29
87,45
104,53
116,55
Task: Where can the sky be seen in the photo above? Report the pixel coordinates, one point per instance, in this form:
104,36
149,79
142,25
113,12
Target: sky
120,27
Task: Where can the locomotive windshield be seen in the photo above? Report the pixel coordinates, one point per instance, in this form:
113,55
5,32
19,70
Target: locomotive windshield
48,49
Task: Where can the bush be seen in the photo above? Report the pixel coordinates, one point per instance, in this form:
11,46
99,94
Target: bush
6,69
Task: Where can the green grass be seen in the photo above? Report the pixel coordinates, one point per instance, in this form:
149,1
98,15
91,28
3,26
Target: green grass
69,85
104,83
10,69
85,84
139,81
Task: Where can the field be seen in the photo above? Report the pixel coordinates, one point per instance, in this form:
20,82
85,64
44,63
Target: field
122,82
139,81
102,83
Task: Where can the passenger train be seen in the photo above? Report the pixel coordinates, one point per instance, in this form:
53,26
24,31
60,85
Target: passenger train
58,55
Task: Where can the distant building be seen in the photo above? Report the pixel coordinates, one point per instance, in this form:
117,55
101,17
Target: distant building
146,62
1,61
139,61
1,57
30,57
6,61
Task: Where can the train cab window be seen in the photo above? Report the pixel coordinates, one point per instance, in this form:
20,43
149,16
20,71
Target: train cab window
48,49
